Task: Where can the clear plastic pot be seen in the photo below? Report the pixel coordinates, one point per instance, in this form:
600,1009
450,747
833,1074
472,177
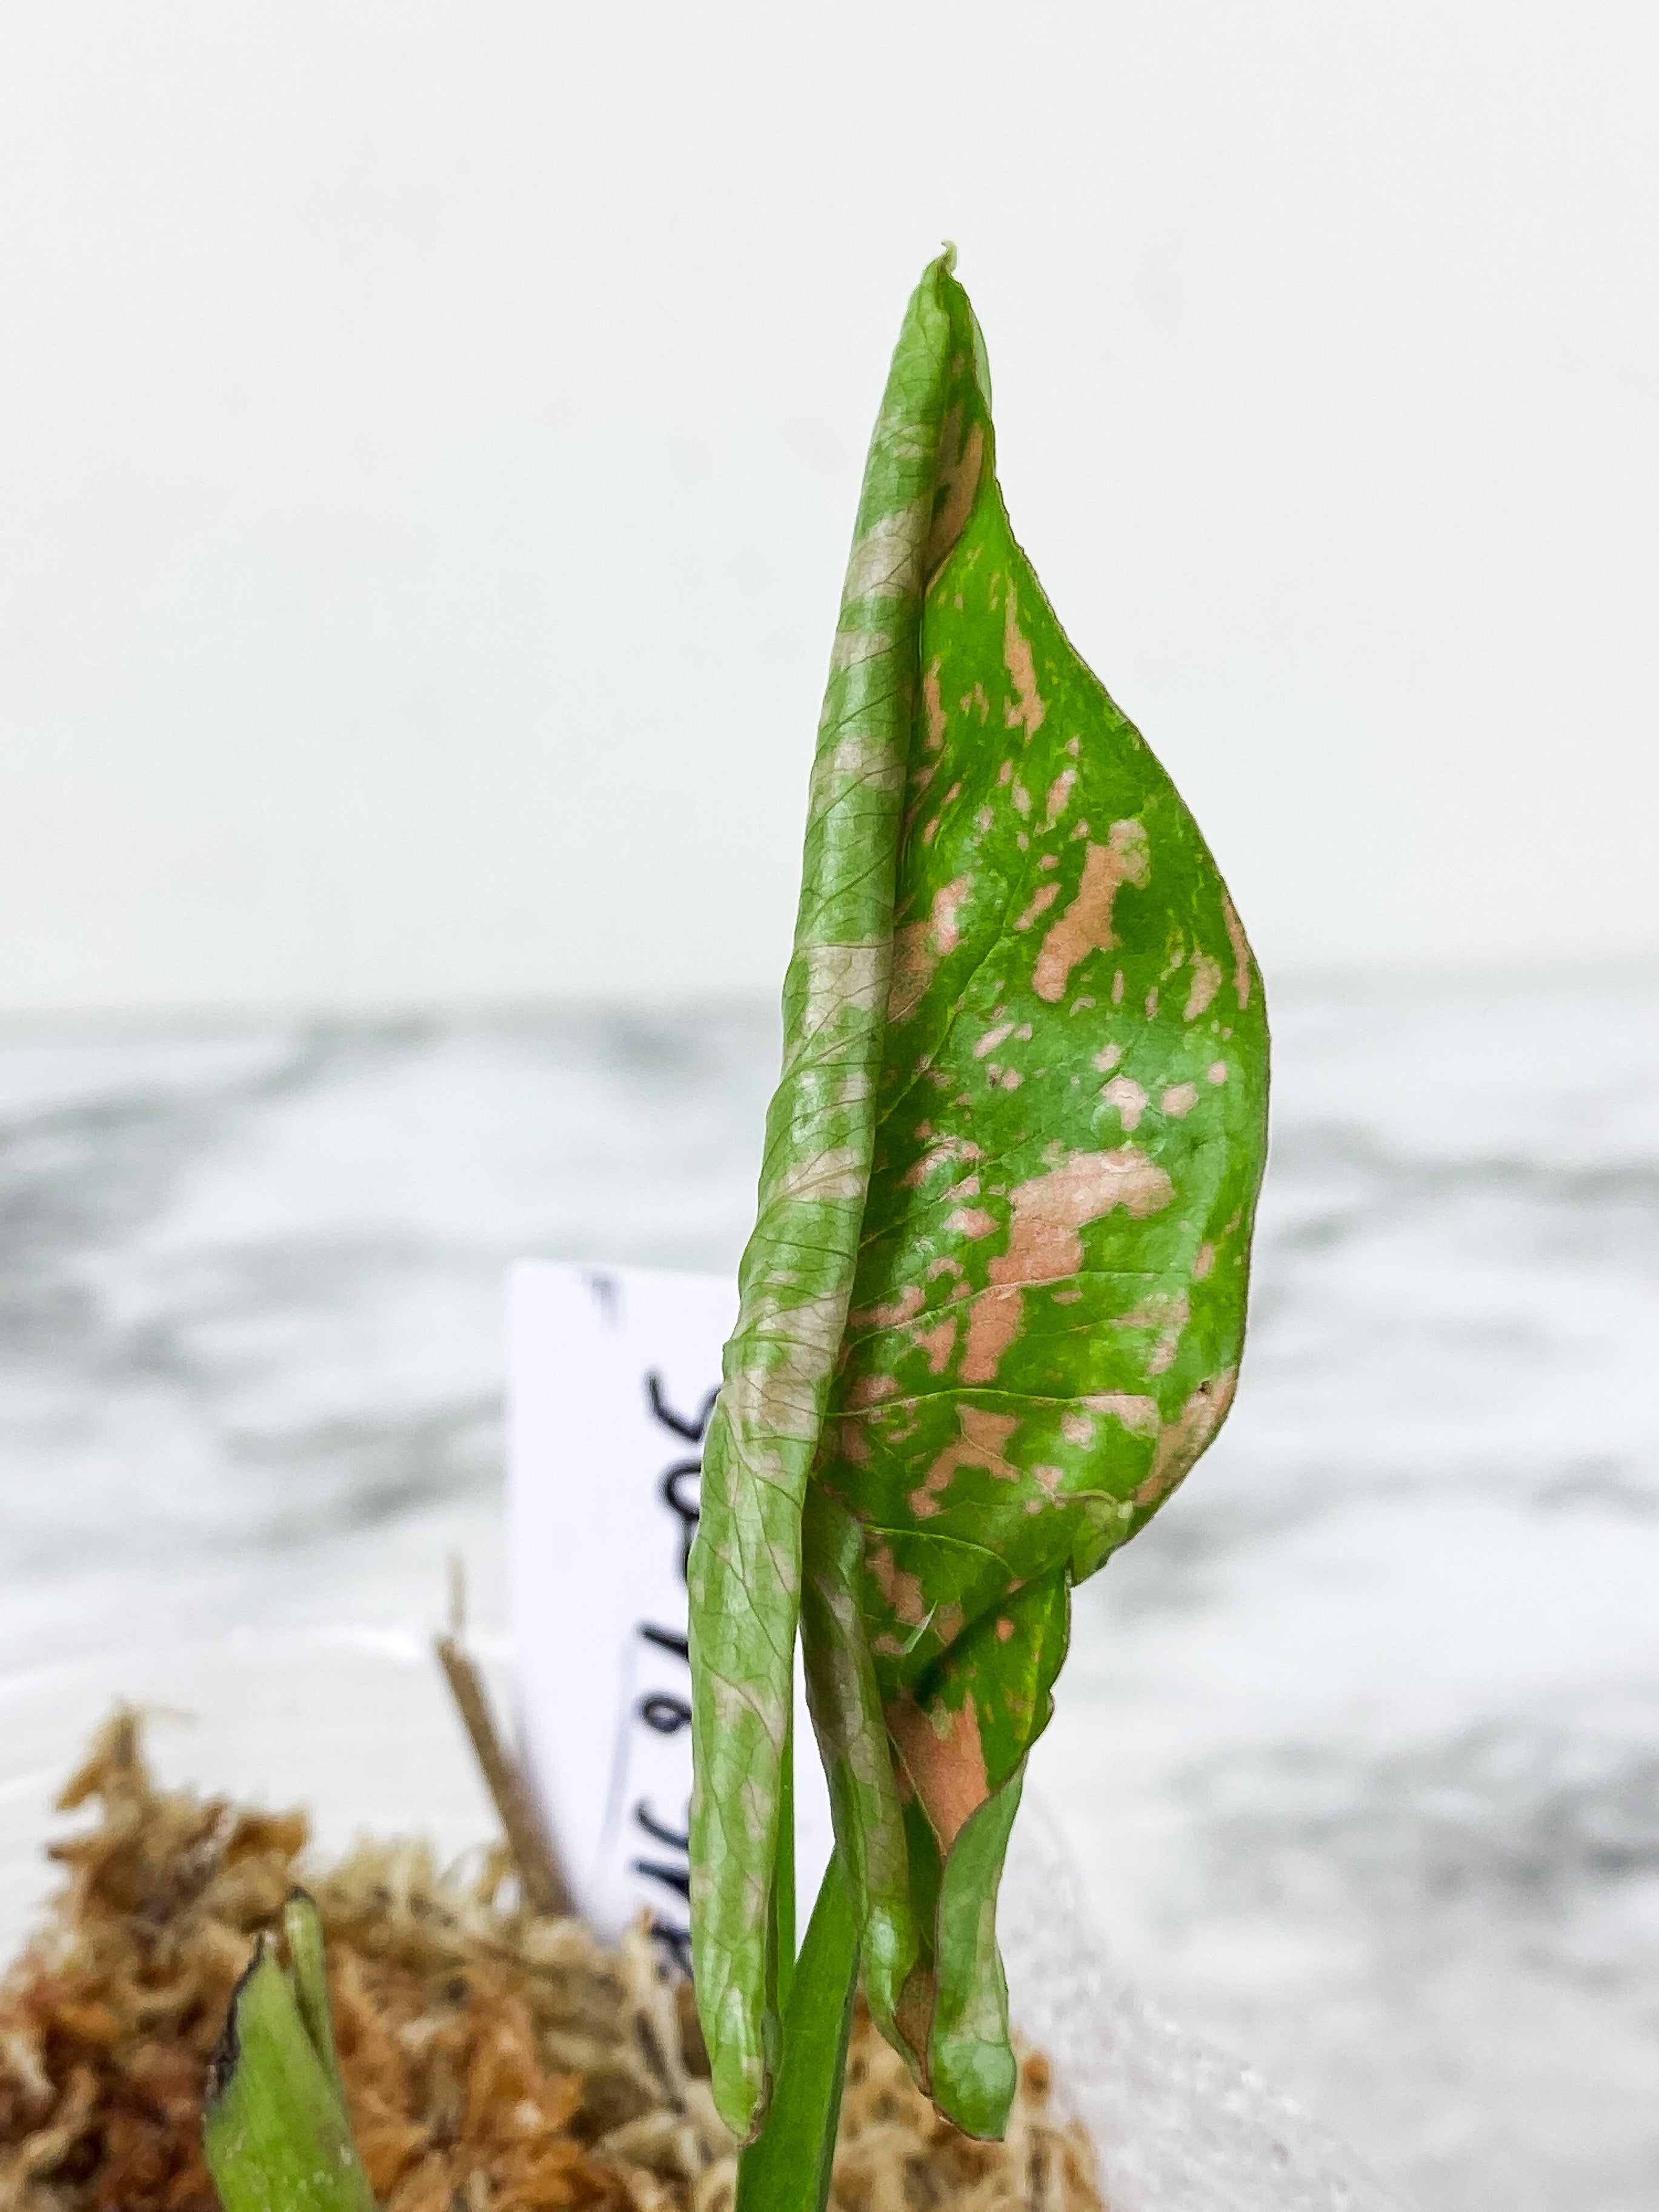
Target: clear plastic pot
356,1725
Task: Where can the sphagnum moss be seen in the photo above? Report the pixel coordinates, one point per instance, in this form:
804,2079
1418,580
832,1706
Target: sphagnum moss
491,2056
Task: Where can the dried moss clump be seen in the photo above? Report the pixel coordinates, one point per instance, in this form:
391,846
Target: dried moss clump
494,2060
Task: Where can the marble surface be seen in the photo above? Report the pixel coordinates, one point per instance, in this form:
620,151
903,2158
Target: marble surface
1357,1750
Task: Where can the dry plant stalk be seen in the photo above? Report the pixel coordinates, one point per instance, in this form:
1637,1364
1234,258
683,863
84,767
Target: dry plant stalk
496,2059
534,1858
529,1839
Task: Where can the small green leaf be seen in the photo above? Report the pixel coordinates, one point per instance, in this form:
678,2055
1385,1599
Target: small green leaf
1036,1145
275,2130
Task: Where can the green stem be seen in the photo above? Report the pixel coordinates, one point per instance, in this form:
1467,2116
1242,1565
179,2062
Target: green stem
788,2168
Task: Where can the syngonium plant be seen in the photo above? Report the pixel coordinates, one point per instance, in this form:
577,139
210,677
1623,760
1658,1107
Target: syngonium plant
993,1304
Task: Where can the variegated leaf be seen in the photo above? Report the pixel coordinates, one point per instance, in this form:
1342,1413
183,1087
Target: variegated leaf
1065,1136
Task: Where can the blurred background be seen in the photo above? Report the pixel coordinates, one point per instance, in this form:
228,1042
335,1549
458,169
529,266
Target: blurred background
428,441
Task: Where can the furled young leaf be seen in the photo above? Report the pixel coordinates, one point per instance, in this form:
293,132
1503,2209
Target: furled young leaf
797,1274
1066,1134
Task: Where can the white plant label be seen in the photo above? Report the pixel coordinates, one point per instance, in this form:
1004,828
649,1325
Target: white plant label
611,1376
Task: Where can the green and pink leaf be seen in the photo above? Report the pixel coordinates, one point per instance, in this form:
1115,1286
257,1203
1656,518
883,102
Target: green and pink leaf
995,1305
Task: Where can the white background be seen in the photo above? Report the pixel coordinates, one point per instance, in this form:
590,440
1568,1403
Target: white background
429,434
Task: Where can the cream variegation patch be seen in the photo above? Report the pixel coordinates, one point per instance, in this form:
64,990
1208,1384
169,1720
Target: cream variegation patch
886,561
842,979
841,1172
